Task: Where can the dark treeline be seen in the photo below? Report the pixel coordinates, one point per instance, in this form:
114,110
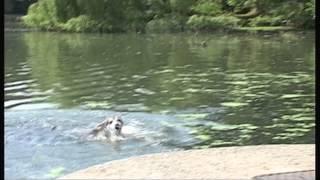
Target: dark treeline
17,6
168,15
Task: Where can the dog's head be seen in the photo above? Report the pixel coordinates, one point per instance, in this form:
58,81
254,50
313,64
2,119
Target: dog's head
114,125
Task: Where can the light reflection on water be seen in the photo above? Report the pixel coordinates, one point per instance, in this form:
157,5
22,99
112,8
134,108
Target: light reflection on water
239,90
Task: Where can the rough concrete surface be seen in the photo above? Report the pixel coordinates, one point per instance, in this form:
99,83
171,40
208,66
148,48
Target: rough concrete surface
240,162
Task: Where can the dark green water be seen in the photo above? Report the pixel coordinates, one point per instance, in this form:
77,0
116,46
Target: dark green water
236,90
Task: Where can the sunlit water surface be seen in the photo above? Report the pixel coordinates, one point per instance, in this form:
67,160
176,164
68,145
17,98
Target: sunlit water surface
174,93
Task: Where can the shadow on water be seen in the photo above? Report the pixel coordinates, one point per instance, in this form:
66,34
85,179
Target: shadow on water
236,90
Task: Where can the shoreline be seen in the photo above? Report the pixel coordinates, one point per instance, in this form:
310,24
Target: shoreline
238,162
13,23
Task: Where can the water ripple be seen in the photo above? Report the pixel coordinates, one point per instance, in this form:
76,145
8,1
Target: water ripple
22,82
14,103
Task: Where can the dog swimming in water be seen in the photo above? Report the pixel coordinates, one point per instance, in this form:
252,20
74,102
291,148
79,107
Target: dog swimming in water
110,128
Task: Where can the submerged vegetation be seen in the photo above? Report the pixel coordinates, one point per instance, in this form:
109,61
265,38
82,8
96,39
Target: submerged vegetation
168,15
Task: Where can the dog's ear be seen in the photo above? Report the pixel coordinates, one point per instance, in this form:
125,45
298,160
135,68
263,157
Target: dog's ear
108,121
103,123
98,128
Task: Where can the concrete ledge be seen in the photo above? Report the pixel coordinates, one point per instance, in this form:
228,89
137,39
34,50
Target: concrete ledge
241,162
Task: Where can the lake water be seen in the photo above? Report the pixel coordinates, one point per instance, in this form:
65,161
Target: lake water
176,91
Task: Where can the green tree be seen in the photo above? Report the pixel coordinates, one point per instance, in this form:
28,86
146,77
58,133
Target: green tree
167,15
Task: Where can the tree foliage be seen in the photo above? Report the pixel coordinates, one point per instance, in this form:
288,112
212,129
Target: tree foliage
167,15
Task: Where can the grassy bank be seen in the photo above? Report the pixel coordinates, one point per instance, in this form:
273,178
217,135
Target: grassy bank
170,15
